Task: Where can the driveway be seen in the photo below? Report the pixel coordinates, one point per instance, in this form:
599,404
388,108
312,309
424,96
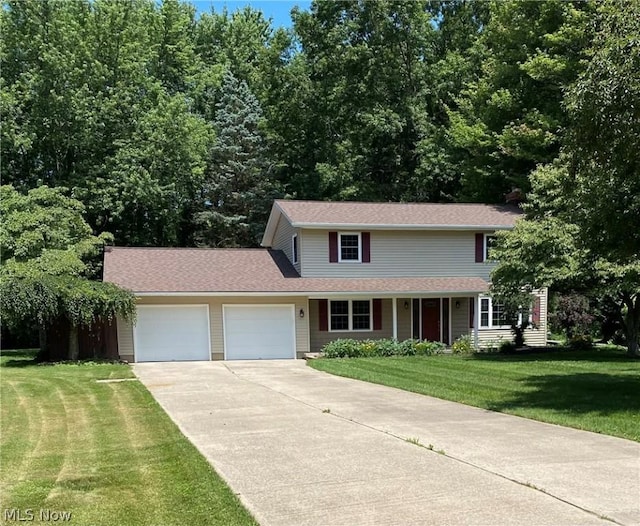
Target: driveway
302,447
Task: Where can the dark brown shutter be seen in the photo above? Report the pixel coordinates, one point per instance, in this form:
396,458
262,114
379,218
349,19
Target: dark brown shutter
323,315
333,247
472,312
479,248
377,314
366,247
536,311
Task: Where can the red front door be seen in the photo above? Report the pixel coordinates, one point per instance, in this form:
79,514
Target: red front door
431,319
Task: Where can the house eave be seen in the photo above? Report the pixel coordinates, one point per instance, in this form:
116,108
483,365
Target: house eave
368,226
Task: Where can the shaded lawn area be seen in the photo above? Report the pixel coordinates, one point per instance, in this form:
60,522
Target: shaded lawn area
106,452
595,390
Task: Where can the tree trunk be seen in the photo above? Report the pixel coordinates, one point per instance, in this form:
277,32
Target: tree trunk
74,347
632,326
43,354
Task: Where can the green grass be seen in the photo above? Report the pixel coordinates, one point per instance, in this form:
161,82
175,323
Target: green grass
596,390
106,452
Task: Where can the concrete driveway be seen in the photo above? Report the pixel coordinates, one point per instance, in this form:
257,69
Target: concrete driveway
301,447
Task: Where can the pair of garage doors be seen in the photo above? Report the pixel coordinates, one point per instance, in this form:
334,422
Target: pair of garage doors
182,332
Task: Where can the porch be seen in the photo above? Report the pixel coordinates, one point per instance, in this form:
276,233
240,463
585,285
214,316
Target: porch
441,318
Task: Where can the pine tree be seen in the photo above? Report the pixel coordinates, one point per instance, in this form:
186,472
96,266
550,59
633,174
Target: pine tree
237,191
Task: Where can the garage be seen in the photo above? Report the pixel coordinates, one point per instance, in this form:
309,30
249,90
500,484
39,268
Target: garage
166,333
256,332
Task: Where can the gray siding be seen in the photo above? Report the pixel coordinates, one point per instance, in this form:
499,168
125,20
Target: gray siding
282,240
125,330
459,318
398,254
319,339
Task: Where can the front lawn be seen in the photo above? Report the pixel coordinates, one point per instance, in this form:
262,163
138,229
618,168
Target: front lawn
106,452
596,390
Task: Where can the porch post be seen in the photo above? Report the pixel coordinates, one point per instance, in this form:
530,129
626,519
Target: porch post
476,321
394,315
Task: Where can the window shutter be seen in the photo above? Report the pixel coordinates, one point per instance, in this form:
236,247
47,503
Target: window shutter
366,247
377,314
472,312
536,312
323,315
333,247
479,248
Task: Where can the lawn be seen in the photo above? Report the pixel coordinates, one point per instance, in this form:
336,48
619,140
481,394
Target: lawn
106,452
594,390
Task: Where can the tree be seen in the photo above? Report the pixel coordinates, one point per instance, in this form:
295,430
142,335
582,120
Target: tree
237,190
49,253
510,117
583,219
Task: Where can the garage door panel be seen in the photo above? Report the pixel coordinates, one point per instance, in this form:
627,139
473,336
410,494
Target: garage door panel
259,332
171,333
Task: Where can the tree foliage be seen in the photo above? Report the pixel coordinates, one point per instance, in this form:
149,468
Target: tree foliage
49,254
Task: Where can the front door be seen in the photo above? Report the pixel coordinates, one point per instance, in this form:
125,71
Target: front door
431,319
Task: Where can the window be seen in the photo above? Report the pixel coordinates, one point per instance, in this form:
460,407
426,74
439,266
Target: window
492,314
350,315
294,248
484,312
349,248
339,315
489,242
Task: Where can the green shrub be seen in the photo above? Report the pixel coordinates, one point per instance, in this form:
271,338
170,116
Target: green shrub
343,348
427,348
349,348
581,342
463,345
508,347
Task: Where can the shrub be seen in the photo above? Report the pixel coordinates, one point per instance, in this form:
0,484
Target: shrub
508,347
581,342
348,348
427,348
572,314
343,348
463,345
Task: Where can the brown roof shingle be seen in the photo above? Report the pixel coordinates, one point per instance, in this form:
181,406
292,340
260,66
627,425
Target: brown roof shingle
184,270
448,215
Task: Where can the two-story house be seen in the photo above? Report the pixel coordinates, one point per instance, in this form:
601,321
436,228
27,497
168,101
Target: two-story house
328,270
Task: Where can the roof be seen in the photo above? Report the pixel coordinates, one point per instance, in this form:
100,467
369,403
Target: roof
250,271
391,216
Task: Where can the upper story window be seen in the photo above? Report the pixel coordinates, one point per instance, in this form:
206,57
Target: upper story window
350,247
489,242
350,315
294,247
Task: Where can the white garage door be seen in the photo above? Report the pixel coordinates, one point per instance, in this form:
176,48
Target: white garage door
166,333
255,332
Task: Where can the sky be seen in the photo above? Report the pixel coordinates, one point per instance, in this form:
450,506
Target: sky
278,10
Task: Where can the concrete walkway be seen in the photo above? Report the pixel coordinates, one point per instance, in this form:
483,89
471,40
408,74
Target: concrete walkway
301,447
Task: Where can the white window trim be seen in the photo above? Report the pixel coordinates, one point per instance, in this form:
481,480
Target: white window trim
485,252
295,249
350,315
491,325
340,234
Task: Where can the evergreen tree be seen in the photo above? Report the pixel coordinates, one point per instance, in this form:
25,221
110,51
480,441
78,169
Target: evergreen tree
237,191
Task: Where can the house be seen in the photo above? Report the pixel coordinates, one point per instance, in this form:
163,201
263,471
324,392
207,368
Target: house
328,270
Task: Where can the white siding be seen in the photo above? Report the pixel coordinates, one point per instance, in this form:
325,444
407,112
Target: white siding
398,254
282,240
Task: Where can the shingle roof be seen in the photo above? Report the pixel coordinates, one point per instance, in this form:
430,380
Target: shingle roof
184,270
471,215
